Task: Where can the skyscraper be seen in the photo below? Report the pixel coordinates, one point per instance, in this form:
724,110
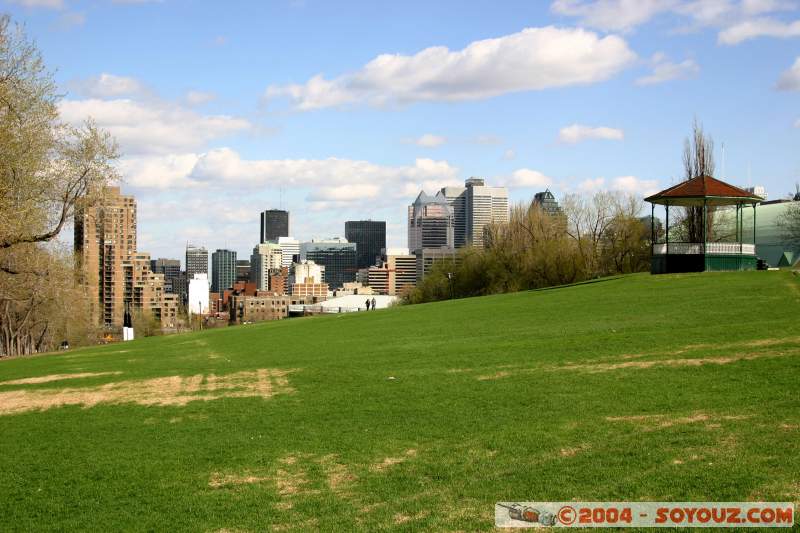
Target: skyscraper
223,270
114,274
274,224
369,237
105,239
266,258
337,256
196,261
547,202
475,206
430,222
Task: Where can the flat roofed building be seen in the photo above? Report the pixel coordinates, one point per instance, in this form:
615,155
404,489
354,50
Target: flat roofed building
337,255
396,272
369,237
223,270
266,257
274,224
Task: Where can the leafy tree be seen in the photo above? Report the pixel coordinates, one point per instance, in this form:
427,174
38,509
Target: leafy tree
46,166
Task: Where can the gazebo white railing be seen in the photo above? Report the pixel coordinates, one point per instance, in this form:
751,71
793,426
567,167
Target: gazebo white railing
689,248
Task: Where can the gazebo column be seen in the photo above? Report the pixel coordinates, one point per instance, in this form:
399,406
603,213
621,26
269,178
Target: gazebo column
739,226
652,228
705,230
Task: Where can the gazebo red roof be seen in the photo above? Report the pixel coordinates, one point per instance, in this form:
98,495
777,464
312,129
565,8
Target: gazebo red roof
705,188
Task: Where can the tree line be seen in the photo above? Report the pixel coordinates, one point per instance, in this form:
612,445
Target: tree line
589,237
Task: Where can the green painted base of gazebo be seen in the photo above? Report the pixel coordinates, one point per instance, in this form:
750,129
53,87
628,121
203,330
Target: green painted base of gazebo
678,263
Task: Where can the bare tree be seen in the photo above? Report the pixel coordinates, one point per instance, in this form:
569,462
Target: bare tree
698,161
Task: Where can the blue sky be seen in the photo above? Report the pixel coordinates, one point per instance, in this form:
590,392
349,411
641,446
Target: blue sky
344,110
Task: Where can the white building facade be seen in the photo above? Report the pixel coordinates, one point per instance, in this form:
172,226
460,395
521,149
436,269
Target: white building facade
266,257
198,294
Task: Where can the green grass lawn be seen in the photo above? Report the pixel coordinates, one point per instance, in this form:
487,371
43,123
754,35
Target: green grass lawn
675,388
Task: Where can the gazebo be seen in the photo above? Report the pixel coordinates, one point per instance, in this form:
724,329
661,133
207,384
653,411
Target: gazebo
703,192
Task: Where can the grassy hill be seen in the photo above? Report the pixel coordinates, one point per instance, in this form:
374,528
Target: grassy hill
646,388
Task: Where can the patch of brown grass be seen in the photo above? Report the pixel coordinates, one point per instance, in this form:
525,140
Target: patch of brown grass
391,461
172,390
219,481
57,377
497,375
660,421
594,368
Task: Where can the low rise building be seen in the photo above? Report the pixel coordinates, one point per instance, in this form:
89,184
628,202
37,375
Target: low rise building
259,308
396,272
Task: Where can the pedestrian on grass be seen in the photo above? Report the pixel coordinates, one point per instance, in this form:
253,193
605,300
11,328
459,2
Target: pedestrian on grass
367,304
373,303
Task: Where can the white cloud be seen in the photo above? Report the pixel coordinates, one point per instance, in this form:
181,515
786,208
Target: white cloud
199,97
159,171
525,177
665,70
509,154
761,27
430,141
578,132
634,185
790,79
332,181
628,184
152,127
533,59
613,15
589,185
738,21
109,86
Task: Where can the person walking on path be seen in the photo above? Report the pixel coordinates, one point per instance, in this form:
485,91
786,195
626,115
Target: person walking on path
367,304
373,303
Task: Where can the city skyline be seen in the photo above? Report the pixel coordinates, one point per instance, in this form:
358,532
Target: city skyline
235,110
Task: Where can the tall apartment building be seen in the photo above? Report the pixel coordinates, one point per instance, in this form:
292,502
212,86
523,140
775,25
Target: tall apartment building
114,274
223,270
105,239
274,225
475,206
145,290
196,261
170,269
290,250
337,256
397,271
370,239
430,222
266,257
